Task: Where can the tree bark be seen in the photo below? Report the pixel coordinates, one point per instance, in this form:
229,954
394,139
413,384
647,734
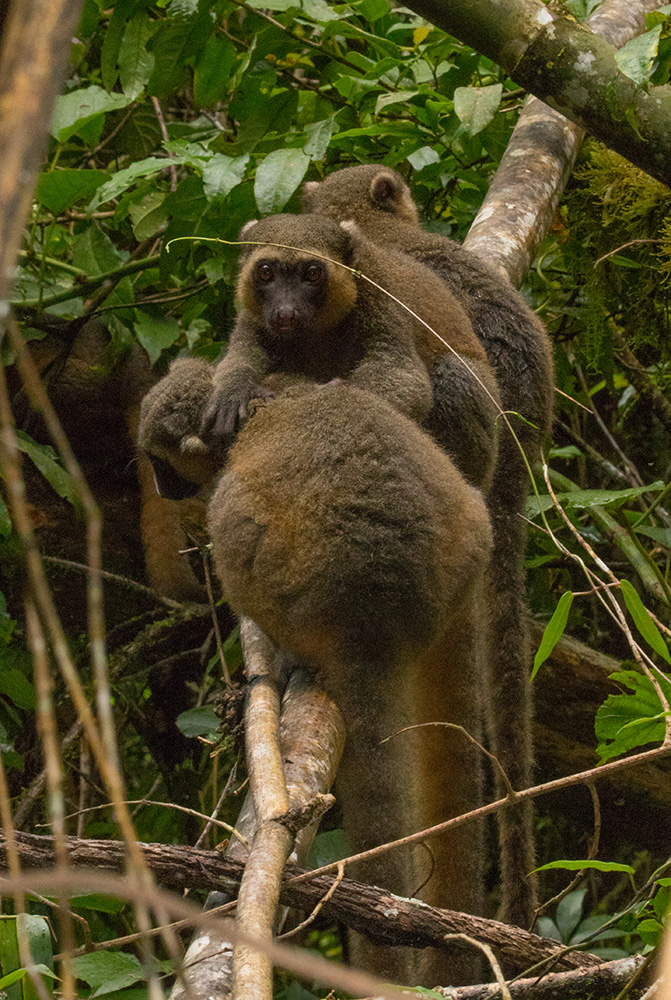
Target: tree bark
567,66
601,983
381,916
312,738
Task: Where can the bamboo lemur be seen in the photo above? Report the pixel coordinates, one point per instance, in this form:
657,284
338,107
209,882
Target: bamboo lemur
518,349
98,404
350,537
303,315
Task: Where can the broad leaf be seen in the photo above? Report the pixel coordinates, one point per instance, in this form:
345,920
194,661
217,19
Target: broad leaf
221,174
201,721
100,967
212,75
16,686
60,189
318,138
44,458
135,61
155,332
635,59
74,110
626,721
476,106
277,177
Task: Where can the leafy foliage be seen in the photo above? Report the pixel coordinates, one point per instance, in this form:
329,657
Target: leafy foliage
188,118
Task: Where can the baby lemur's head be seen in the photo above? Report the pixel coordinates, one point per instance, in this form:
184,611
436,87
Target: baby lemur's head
292,294
361,193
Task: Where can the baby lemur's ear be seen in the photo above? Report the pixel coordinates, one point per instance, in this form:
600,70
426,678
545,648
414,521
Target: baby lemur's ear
386,189
246,229
309,189
390,193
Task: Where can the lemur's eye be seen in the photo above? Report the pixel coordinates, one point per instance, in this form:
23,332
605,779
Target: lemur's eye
264,273
313,273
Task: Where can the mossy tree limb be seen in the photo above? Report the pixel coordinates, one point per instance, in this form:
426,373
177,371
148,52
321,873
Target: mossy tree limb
569,68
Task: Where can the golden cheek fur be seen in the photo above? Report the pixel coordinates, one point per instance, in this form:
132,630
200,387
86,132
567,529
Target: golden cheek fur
340,298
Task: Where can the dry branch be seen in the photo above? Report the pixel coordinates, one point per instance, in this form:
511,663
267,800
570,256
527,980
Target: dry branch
600,983
381,916
260,887
311,738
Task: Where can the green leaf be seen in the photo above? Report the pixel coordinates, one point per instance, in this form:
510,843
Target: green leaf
98,901
318,138
385,100
651,931
584,499
635,59
135,61
17,687
643,621
74,110
221,174
576,866
425,156
614,719
201,721
155,332
553,631
11,977
101,967
123,9
476,106
277,177
44,458
327,847
95,253
212,75
60,189
569,912
660,535
175,46
125,178
148,214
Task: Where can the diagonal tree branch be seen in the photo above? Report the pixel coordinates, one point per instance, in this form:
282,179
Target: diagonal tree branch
567,66
525,192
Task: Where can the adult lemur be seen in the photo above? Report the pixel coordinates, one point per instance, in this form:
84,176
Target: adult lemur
349,536
519,351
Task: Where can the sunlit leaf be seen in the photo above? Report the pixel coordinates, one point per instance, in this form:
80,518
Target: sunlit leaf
476,106
74,110
635,59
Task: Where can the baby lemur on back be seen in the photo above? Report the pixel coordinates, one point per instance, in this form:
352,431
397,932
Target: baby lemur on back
350,537
518,348
302,314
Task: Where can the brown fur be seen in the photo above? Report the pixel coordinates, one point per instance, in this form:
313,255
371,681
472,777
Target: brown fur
353,541
519,351
357,333
98,403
